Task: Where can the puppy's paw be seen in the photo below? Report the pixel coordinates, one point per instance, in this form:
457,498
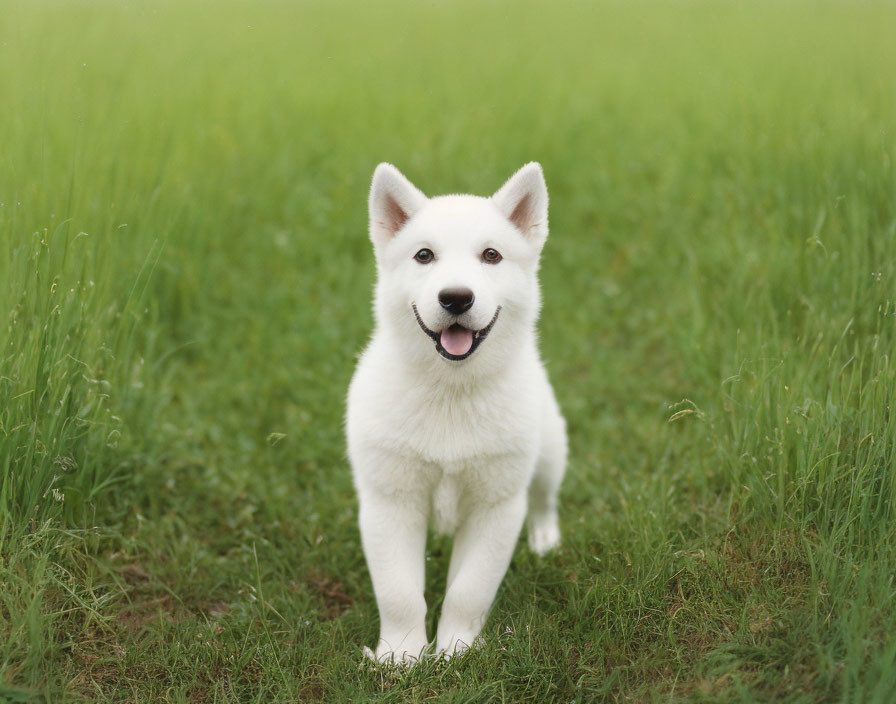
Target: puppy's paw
457,646
544,536
385,656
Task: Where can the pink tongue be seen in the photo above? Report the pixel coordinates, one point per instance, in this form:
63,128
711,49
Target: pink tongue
457,340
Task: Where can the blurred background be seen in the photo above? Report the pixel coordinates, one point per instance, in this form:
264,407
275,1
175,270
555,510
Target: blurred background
187,276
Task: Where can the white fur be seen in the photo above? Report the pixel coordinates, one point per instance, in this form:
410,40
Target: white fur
468,445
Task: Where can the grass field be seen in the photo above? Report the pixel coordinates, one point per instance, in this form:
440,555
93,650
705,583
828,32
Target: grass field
186,279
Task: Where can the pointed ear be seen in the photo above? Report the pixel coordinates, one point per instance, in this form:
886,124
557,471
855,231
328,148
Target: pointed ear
393,200
524,201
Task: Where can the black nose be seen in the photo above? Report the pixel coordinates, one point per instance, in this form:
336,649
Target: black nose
456,300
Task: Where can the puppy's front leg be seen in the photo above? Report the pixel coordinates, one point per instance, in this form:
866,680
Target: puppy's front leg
482,550
393,532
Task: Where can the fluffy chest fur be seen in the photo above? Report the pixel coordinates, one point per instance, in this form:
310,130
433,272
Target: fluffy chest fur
454,443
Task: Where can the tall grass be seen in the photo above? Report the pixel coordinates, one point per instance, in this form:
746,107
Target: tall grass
187,281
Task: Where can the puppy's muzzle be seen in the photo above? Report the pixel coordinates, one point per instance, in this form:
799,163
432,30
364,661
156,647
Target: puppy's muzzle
462,341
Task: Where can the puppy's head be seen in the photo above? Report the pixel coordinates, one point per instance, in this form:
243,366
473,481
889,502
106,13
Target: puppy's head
458,273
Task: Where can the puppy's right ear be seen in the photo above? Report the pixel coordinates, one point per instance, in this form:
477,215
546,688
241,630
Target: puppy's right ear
393,201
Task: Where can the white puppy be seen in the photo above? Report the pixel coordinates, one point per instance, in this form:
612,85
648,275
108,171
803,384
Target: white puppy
451,417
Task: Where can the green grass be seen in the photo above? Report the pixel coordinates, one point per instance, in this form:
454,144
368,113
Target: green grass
186,279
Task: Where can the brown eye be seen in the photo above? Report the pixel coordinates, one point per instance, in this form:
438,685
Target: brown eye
424,256
491,256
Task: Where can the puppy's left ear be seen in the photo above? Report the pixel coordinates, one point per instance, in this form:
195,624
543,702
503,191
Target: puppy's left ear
524,201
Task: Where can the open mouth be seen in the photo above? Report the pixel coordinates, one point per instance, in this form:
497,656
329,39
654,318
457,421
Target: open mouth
456,342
